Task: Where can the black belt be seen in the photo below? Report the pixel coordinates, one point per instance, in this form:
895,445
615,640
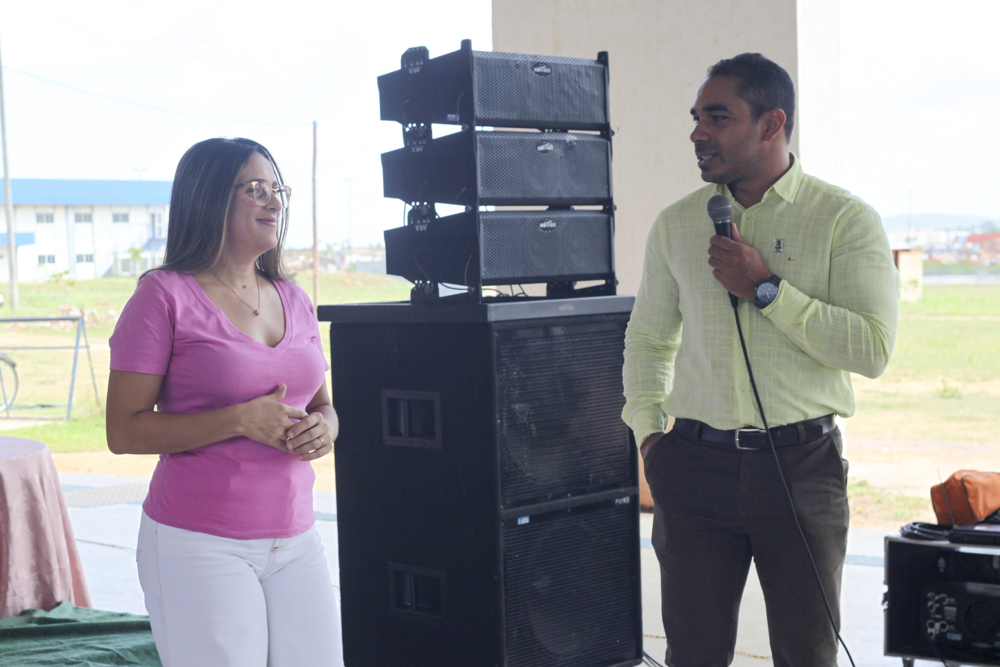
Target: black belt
756,438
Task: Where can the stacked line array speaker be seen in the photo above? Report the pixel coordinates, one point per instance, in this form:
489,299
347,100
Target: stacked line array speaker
564,162
486,486
503,169
482,88
504,247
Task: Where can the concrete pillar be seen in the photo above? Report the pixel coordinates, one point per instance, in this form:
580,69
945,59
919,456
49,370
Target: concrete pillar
818,90
659,51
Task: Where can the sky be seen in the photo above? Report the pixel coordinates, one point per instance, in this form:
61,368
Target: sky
251,69
919,81
920,94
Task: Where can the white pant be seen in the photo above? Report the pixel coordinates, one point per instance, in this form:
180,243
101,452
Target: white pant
220,602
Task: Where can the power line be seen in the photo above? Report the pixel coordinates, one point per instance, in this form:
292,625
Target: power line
145,106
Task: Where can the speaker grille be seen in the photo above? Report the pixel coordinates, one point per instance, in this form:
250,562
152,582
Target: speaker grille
504,247
569,590
516,87
502,169
516,244
561,397
516,167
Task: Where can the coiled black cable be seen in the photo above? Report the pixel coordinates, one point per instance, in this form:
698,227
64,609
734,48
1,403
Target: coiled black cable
925,531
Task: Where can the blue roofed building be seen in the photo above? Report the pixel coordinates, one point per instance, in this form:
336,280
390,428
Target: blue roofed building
85,228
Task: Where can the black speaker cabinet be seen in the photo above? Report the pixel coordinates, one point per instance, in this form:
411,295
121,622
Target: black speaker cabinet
486,487
482,88
504,248
942,602
473,168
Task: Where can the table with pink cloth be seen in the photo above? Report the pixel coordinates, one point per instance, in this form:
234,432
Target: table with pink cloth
39,561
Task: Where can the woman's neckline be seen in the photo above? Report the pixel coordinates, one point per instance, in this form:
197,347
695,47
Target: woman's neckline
200,292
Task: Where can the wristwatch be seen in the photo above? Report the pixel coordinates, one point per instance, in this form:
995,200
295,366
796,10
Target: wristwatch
767,291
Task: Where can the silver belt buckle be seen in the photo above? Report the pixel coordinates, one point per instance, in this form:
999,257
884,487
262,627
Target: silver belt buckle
747,430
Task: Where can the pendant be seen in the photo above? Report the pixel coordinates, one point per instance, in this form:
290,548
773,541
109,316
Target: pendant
256,312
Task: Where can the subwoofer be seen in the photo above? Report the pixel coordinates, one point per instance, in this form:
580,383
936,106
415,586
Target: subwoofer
486,486
475,168
504,248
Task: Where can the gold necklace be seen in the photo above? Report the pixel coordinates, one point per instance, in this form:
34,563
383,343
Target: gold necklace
256,311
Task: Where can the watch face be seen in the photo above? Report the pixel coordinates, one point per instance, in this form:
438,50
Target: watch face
766,292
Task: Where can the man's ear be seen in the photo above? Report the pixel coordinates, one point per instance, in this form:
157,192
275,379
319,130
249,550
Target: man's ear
774,124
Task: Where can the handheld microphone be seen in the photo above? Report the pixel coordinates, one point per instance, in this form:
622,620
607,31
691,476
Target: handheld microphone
720,210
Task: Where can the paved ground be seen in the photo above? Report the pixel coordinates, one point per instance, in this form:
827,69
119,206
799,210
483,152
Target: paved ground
105,511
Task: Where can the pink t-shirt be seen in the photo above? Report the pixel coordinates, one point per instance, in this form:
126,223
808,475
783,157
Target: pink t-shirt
238,487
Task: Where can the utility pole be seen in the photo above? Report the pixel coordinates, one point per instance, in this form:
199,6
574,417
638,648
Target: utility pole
315,232
350,231
909,211
8,205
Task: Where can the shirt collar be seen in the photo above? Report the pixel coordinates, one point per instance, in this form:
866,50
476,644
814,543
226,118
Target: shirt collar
786,187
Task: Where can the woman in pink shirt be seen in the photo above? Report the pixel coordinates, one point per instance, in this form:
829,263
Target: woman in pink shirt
217,366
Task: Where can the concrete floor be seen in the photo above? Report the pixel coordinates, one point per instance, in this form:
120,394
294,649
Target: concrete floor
105,512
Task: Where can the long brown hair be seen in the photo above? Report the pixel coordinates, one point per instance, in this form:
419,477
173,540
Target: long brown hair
199,207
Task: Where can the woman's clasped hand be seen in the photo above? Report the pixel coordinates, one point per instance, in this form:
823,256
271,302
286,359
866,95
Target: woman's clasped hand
270,421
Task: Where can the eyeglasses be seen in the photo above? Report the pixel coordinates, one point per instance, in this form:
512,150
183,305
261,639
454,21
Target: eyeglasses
262,192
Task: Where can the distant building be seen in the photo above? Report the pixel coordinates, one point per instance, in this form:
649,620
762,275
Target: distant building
986,247
85,228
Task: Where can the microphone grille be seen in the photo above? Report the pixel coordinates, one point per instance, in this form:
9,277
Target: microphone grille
720,208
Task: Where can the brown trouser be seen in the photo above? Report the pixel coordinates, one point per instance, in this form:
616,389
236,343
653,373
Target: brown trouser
716,509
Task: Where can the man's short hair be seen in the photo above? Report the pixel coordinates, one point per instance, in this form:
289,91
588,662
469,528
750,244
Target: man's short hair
764,85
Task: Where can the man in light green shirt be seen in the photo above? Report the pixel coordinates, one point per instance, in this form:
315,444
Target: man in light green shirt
817,291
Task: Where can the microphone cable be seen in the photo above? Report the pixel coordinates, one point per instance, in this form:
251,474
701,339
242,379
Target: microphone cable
649,660
781,475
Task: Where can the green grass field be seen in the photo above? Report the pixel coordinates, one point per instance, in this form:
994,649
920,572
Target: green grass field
958,268
105,297
80,434
942,384
45,374
943,381
888,509
945,368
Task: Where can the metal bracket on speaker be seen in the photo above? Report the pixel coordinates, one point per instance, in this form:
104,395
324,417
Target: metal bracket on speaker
426,291
421,214
417,135
413,58
567,290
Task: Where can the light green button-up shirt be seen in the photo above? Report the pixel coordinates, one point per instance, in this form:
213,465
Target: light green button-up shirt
835,312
